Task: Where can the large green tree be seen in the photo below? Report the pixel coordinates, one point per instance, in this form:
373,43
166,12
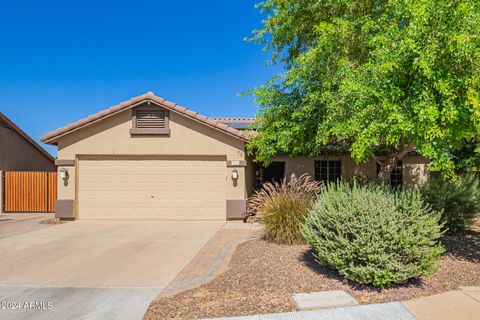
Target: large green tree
369,78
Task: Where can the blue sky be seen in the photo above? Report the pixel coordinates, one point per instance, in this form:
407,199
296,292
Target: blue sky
63,60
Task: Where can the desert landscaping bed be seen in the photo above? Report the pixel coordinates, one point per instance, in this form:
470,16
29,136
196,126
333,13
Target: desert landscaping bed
262,277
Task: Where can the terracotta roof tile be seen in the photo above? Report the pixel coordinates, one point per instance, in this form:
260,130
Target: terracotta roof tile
51,137
200,117
232,130
191,113
172,105
222,126
180,108
211,121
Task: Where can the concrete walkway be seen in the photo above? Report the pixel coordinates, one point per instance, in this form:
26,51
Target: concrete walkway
462,304
384,311
213,258
458,304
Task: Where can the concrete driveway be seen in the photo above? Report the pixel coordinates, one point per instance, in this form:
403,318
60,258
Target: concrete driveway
96,269
12,224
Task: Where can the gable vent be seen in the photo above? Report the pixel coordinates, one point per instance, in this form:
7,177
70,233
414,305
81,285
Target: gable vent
151,119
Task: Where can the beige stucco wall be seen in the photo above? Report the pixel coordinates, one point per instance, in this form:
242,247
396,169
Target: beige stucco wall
66,187
301,165
111,136
415,171
415,168
17,154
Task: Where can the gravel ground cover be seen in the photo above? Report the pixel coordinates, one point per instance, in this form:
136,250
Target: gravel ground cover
52,221
262,277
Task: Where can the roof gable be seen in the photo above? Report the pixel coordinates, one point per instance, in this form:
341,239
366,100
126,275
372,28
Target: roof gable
52,137
5,121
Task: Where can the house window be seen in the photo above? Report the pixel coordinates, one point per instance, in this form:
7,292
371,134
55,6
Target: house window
328,170
150,121
396,176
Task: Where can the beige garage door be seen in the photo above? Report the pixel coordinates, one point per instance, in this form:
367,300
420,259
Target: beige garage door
169,189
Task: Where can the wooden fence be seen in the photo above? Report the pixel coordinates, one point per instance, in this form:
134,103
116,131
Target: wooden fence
30,191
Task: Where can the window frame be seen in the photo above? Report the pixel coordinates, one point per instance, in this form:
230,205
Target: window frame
336,175
149,131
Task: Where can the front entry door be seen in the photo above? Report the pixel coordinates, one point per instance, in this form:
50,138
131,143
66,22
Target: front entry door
275,172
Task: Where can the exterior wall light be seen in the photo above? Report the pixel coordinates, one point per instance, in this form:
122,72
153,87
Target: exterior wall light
63,173
234,174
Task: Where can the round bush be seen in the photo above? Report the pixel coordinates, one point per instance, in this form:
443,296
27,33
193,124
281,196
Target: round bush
458,200
372,234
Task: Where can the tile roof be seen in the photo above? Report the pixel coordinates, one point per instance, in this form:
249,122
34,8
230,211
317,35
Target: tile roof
12,125
51,137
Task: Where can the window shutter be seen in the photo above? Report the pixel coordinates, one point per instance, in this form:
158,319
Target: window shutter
151,119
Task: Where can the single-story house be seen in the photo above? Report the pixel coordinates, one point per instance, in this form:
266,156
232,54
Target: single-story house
19,152
149,158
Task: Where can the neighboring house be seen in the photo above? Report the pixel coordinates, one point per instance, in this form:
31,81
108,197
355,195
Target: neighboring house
149,158
19,152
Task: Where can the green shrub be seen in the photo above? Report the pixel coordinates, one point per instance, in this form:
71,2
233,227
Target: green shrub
282,207
458,200
372,234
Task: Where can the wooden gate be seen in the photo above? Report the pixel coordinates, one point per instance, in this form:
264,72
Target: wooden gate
30,191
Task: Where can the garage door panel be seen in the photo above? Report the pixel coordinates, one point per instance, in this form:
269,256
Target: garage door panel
161,178
152,189
161,173
154,203
143,195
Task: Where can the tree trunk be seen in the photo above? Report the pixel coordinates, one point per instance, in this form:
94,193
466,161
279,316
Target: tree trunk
384,176
387,166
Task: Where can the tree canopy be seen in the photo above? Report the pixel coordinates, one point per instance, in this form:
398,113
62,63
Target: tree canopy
372,76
